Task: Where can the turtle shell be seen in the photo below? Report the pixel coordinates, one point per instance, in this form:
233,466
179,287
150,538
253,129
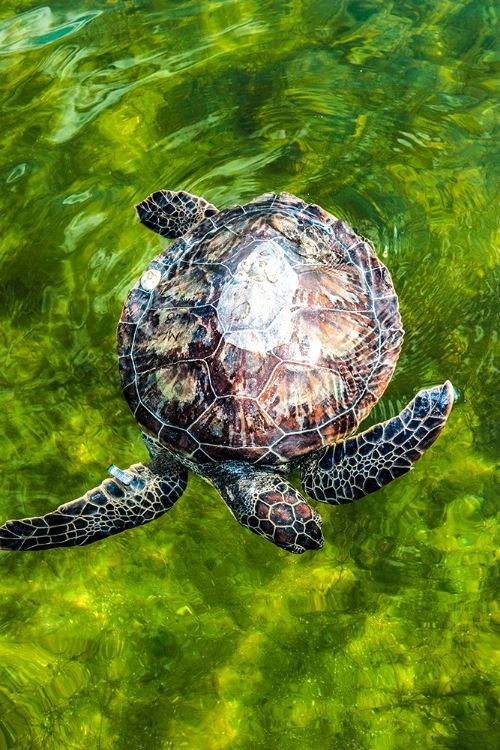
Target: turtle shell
267,331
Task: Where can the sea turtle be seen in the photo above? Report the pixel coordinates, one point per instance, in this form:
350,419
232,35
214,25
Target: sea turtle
253,345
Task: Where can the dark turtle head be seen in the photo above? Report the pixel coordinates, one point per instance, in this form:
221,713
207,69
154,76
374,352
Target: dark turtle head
283,516
268,505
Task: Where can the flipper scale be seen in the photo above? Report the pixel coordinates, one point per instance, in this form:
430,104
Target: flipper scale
103,511
172,213
363,464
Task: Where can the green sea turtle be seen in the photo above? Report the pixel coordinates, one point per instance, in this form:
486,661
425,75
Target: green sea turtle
253,345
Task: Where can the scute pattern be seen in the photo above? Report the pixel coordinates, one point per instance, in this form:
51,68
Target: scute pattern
235,422
178,392
272,332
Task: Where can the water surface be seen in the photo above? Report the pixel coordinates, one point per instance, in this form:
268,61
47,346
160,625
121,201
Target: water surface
190,632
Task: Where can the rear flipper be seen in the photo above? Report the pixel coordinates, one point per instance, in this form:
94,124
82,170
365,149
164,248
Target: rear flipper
364,463
171,213
269,506
131,498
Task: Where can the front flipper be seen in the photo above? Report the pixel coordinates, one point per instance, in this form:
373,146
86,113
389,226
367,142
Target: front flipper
364,463
269,506
171,213
132,498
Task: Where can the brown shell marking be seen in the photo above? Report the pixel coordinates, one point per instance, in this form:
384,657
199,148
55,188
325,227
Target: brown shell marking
272,331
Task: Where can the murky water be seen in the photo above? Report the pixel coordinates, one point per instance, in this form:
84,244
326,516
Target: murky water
191,632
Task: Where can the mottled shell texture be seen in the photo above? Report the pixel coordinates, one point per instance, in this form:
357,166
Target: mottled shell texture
267,331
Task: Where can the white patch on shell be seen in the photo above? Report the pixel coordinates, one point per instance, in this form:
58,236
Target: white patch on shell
254,308
150,279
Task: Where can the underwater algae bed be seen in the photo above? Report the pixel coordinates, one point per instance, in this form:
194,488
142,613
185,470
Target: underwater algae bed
191,632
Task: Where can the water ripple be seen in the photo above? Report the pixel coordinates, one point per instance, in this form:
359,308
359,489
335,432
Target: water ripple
191,630
39,27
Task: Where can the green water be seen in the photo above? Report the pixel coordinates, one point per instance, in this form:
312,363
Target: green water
191,632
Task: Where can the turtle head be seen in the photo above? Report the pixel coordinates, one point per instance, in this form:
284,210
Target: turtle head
282,515
268,505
